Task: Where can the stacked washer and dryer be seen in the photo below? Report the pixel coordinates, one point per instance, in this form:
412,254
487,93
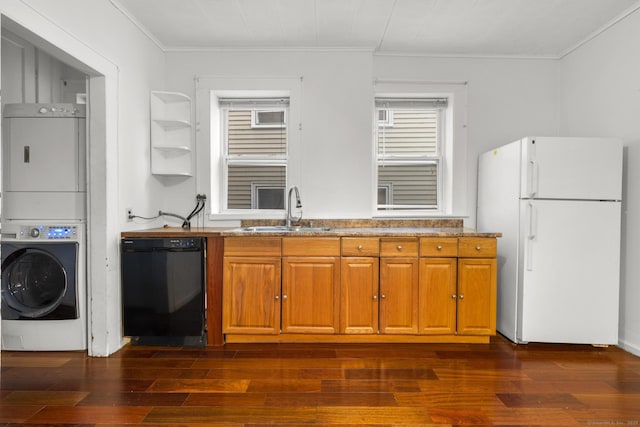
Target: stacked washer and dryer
43,244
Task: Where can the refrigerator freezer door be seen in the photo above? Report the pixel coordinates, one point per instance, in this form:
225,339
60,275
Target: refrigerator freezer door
570,274
571,168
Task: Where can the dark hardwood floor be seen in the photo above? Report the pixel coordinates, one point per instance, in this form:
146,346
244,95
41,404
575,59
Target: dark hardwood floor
325,384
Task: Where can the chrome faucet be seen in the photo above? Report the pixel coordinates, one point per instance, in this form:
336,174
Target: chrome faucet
290,218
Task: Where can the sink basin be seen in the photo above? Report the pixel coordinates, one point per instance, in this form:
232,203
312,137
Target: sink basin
310,229
265,228
283,228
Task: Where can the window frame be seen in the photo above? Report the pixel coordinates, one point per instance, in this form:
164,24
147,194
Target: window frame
280,160
397,160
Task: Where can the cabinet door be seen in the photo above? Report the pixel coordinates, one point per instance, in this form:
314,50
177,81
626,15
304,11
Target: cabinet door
251,295
310,291
477,283
437,296
359,296
399,295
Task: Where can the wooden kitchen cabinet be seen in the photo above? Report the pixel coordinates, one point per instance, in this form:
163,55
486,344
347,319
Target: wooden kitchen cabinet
359,289
477,286
399,286
458,295
360,272
438,296
438,285
251,286
251,295
311,285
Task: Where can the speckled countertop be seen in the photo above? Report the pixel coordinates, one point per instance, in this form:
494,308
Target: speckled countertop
336,228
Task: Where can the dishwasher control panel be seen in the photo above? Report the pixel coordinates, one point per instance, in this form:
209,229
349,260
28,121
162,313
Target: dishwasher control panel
162,244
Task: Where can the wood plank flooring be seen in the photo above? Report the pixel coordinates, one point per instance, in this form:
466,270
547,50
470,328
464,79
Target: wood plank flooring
325,384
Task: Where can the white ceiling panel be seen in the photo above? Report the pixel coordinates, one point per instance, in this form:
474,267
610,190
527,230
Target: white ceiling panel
439,27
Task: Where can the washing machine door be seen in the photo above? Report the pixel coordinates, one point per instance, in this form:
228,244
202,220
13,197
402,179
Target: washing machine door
33,283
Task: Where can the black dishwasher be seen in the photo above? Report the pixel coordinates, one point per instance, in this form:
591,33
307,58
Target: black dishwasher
163,291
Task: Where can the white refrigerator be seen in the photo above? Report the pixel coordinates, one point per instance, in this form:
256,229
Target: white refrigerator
557,202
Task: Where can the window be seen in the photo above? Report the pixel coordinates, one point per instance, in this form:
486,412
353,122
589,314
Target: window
254,152
385,118
268,119
409,150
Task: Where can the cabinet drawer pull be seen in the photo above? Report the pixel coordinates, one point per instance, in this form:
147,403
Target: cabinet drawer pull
360,247
439,247
399,247
478,248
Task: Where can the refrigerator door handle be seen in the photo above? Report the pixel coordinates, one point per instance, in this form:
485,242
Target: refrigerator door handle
533,178
533,219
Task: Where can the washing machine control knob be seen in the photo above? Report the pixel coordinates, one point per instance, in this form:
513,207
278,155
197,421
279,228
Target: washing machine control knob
34,232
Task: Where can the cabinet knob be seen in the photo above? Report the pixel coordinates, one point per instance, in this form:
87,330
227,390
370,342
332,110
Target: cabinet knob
461,296
478,248
284,297
399,247
454,296
383,296
277,297
439,247
360,247
375,297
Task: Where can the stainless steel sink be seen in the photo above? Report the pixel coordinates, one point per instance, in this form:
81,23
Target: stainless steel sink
283,228
309,229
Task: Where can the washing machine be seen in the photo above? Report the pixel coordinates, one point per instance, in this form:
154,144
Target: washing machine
43,286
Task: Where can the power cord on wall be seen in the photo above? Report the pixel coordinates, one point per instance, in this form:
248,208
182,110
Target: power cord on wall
201,200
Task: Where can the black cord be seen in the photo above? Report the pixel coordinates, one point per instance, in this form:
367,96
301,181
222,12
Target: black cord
197,209
143,217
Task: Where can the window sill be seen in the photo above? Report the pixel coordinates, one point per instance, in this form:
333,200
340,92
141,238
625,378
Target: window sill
415,214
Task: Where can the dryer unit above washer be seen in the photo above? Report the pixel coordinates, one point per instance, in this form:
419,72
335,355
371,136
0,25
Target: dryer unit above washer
44,161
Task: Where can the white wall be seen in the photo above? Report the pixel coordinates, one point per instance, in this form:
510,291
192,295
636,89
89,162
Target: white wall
97,35
600,96
507,98
336,93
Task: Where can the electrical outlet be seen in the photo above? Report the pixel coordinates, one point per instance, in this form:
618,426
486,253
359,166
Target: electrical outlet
129,214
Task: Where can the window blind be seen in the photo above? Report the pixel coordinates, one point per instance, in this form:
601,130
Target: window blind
252,103
411,103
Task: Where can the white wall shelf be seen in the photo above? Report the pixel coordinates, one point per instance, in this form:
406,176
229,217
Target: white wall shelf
171,141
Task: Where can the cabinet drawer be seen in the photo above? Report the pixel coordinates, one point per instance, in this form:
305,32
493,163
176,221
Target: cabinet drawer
477,247
311,246
439,247
252,246
360,246
398,247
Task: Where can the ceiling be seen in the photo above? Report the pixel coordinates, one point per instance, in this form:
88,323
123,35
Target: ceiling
538,28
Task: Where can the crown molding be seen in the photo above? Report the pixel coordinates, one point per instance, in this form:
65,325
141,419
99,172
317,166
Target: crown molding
138,24
374,50
602,29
